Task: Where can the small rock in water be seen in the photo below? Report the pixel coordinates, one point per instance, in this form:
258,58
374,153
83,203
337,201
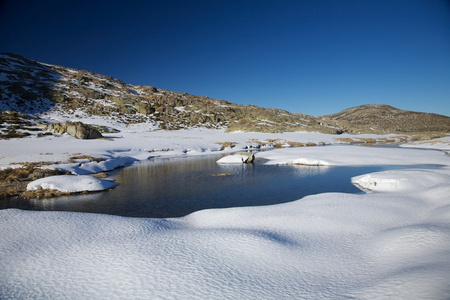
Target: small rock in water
221,174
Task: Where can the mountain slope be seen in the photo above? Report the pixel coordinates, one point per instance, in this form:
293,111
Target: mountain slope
36,88
39,93
386,119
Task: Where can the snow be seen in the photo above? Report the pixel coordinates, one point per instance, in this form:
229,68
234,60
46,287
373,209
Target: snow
94,167
402,180
134,142
71,183
345,155
441,143
233,159
327,246
180,108
390,243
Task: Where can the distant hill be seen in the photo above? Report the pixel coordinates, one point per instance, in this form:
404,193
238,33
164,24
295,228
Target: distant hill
386,119
42,91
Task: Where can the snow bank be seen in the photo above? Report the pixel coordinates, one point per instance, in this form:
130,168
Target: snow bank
402,180
94,167
441,144
343,155
393,244
71,183
236,159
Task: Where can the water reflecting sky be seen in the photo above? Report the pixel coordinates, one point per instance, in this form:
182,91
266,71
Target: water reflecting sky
173,187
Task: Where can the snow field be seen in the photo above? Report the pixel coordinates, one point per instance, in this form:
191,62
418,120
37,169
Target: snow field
391,243
323,246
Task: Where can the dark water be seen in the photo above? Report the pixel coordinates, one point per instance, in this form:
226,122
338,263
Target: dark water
174,187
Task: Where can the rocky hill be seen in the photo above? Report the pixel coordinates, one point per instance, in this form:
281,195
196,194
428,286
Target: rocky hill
36,88
32,92
387,119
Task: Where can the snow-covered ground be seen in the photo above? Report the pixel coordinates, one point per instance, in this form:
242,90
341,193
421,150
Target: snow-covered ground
140,141
390,243
71,183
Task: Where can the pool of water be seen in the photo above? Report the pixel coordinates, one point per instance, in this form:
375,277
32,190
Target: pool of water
174,187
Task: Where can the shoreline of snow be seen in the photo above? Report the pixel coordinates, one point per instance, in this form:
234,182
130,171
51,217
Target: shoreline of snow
134,144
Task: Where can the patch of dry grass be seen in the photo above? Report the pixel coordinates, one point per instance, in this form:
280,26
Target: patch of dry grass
226,144
41,193
13,181
160,150
296,144
280,143
100,175
73,159
347,140
372,141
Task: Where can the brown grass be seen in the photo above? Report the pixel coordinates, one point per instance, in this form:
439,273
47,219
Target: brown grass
100,175
40,193
347,140
160,150
296,144
73,159
226,144
366,141
14,181
369,141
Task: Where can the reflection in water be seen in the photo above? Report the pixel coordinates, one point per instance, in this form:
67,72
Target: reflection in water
173,187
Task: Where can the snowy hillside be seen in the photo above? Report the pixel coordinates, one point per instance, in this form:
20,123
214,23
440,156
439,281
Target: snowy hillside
50,91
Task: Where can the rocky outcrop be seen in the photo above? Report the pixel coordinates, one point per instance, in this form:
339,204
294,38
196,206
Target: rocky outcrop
239,158
76,129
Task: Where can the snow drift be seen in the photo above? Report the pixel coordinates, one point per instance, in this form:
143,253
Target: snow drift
71,183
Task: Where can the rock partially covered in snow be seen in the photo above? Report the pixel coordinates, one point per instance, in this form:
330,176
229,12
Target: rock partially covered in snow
76,129
401,180
237,158
72,183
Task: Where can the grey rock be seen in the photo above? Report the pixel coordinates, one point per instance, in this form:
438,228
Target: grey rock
76,129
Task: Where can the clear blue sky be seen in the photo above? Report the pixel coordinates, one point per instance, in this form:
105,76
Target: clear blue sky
311,56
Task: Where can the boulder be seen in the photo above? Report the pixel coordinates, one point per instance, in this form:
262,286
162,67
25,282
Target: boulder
237,159
76,129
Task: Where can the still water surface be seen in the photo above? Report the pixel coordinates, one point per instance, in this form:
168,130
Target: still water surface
174,187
